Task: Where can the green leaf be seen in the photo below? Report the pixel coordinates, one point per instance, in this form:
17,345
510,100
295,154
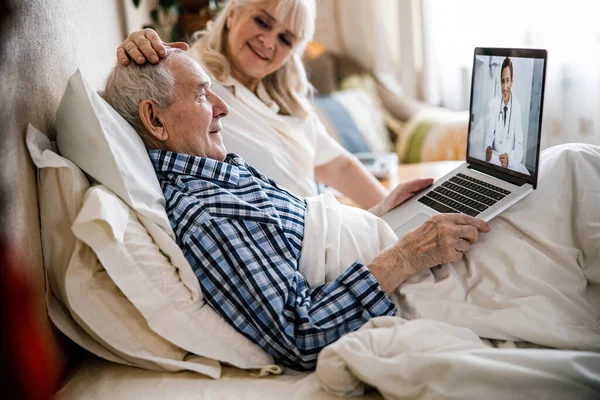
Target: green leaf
136,3
167,3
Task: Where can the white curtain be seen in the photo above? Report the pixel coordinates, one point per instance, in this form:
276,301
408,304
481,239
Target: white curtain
384,36
569,30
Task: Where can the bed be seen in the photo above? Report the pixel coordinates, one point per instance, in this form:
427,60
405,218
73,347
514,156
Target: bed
429,352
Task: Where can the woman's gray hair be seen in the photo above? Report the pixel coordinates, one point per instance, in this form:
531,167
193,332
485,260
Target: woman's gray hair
288,86
128,85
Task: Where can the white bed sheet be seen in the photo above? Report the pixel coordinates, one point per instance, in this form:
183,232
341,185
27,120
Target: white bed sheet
98,379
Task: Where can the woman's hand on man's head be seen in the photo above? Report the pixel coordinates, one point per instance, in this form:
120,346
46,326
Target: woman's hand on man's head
145,45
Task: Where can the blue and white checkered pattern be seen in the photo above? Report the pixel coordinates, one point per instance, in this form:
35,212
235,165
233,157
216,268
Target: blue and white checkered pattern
243,234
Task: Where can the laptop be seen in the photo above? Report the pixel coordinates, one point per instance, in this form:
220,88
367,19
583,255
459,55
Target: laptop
503,145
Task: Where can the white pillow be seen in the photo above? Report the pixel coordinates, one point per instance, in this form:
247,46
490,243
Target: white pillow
94,136
82,301
137,266
61,187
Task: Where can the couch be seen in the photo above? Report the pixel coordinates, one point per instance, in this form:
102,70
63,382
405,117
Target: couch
416,131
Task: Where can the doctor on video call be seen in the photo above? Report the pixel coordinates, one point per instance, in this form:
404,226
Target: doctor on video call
504,137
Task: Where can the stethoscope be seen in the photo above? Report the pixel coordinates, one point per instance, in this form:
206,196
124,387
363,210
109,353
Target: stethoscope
509,118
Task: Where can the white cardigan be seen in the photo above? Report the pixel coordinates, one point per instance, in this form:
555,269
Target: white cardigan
286,149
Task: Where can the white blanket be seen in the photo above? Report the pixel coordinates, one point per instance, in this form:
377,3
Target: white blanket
336,235
535,278
426,359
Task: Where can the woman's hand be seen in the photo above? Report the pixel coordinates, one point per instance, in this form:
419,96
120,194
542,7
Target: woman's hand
145,45
399,195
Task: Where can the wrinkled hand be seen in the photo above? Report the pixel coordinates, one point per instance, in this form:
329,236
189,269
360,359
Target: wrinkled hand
488,153
145,45
399,195
444,238
503,160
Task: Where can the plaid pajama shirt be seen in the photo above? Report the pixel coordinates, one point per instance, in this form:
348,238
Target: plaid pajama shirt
242,235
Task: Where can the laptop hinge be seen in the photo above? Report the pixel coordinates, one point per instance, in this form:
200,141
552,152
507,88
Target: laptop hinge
508,178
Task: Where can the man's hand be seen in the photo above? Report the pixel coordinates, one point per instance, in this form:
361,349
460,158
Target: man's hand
488,153
503,160
399,195
145,45
442,239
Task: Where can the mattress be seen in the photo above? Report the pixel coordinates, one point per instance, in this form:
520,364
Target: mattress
99,379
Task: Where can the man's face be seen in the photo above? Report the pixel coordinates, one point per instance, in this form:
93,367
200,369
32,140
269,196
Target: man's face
193,122
506,84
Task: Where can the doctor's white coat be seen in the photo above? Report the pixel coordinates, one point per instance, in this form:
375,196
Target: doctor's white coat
505,137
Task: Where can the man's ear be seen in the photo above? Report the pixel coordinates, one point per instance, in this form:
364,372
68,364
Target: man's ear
152,120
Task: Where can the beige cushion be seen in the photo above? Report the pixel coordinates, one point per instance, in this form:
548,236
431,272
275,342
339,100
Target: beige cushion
148,279
94,136
103,310
61,187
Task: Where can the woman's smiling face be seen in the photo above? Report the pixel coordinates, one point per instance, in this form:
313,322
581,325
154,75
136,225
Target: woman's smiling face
257,43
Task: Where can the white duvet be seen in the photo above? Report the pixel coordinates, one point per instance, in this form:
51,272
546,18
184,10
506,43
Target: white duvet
533,280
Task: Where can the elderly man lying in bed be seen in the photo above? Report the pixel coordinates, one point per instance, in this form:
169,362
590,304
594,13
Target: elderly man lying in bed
284,271
243,234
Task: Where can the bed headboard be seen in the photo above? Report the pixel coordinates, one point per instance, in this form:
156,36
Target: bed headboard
43,43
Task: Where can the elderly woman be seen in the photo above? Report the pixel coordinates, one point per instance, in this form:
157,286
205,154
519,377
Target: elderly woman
253,51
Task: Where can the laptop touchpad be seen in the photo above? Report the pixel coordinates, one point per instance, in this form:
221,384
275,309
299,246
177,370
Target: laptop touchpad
417,220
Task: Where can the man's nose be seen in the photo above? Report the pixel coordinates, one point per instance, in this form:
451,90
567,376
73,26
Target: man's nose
220,108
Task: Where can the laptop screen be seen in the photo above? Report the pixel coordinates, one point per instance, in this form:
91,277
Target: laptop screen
506,110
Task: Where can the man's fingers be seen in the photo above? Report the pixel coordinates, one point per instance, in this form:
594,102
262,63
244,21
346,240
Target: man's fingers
467,232
463,219
462,245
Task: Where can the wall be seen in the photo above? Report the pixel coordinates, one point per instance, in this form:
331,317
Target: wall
45,41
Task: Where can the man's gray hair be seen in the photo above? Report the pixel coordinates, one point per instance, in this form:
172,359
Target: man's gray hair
128,85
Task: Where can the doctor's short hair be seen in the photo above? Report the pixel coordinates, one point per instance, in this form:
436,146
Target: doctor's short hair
127,85
507,63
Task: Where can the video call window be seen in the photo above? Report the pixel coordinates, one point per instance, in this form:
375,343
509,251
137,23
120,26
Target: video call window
505,111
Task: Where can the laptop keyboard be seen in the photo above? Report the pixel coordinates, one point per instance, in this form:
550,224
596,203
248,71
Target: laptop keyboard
463,194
